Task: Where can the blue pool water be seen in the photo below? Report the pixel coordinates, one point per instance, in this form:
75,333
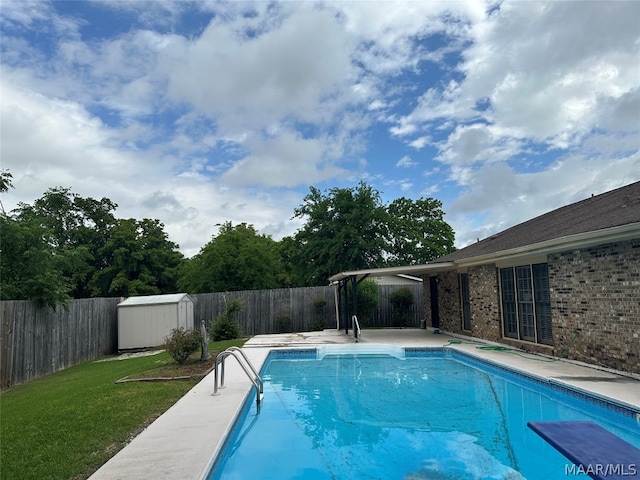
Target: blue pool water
434,414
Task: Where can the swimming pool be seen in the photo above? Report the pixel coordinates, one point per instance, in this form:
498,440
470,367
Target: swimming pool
415,413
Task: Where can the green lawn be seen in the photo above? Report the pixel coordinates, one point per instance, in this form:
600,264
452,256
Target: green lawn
67,424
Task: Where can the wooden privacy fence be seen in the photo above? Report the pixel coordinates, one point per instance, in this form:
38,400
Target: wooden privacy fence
385,316
270,311
35,341
38,340
294,310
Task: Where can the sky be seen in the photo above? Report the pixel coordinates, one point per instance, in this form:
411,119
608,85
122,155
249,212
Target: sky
199,113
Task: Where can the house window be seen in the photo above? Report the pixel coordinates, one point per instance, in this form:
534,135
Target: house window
526,305
466,304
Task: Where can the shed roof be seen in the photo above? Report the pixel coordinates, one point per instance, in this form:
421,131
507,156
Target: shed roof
616,208
154,299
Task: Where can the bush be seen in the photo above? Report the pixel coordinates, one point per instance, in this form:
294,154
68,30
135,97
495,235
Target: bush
317,324
225,327
401,300
284,324
367,301
181,344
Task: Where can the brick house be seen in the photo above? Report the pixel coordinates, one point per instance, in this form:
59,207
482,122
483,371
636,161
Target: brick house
566,283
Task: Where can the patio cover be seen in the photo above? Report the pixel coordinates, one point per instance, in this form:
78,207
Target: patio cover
342,279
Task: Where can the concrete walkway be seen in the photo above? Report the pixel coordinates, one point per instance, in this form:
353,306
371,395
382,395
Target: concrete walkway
182,443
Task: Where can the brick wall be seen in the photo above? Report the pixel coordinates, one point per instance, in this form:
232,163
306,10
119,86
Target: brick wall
448,302
485,303
596,293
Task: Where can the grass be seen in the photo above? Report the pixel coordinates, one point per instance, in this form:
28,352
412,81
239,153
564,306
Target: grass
67,424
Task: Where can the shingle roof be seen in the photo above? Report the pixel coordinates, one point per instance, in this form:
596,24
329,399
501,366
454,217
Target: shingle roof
611,209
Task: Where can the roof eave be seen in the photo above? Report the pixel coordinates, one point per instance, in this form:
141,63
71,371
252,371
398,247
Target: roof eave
569,242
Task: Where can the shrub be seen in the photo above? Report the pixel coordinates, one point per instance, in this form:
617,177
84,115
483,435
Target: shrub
181,344
225,327
401,300
284,324
317,323
367,300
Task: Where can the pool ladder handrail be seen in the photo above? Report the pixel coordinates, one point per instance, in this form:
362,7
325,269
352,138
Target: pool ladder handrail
246,365
356,328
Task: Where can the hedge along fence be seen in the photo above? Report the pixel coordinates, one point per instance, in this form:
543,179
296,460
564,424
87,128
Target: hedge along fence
35,341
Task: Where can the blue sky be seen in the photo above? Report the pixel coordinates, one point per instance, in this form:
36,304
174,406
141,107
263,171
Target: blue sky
197,113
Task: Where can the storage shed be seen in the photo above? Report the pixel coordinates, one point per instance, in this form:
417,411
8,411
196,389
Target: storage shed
145,322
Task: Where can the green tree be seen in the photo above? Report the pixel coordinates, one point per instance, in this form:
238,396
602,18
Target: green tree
6,182
28,264
417,232
350,229
288,250
344,230
29,268
140,260
77,229
238,258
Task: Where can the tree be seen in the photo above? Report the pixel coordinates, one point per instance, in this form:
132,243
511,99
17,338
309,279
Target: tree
77,228
417,232
76,246
6,182
238,258
344,230
140,260
28,264
288,250
29,269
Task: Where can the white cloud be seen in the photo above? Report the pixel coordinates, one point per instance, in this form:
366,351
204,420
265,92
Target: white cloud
498,197
55,142
548,72
284,160
387,30
300,70
47,142
470,144
376,104
406,162
233,118
420,142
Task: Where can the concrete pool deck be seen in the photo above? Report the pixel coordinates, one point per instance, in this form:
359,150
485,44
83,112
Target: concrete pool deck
182,442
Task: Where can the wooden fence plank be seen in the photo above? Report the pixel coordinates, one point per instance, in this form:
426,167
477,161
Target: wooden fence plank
7,327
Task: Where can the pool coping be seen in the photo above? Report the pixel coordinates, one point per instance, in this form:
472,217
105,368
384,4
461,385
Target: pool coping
203,421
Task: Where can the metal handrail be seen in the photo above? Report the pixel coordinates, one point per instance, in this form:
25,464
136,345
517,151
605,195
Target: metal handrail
243,361
356,328
250,365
